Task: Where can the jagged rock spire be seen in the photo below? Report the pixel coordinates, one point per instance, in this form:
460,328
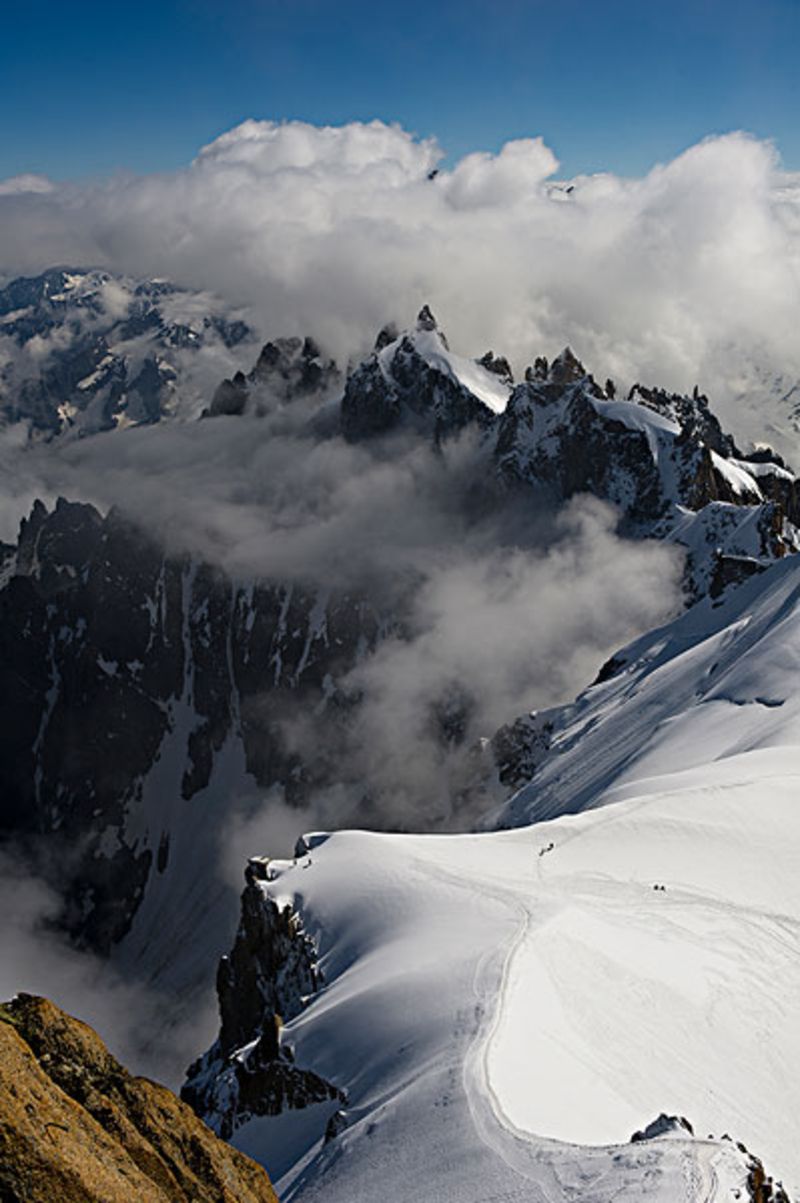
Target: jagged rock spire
538,371
426,323
566,367
498,365
426,320
387,334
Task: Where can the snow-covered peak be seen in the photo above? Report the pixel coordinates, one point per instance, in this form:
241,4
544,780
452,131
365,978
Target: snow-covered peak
662,459
87,350
479,377
470,375
413,379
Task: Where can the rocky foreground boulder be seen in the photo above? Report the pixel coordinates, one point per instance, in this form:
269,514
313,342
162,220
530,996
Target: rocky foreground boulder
76,1127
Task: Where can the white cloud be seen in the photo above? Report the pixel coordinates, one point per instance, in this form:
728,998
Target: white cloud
510,178
16,184
690,274
499,631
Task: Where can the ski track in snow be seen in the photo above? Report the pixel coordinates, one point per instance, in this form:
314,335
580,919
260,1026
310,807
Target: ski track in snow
511,874
521,1150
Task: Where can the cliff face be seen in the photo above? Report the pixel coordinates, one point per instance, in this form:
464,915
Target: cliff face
265,982
114,658
76,1127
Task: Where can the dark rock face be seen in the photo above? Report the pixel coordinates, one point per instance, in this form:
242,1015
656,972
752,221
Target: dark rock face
664,1125
583,451
562,431
286,369
426,321
520,747
264,982
498,365
271,968
559,429
230,399
692,414
108,350
780,487
387,334
398,388
566,368
761,1187
111,652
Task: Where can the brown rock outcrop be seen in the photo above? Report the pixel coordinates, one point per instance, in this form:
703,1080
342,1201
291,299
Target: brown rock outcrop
76,1127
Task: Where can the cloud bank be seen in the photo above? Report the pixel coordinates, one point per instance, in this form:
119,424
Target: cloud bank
690,274
498,603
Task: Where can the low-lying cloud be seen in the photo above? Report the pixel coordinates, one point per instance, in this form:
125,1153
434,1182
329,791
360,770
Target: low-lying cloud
689,274
496,602
494,633
144,1028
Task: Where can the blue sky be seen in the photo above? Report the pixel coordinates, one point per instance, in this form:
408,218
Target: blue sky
89,87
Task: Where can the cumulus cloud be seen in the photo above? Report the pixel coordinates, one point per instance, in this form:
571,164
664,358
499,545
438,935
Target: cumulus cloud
689,274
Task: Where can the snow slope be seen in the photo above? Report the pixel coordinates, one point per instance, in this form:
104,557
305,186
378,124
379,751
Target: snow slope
427,343
504,1009
720,681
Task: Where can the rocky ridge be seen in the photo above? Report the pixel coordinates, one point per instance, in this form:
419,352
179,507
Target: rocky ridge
286,370
661,459
76,1127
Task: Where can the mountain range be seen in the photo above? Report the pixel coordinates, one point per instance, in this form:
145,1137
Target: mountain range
606,948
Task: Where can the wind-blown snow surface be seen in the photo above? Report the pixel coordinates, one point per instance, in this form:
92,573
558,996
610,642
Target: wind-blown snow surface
504,1009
